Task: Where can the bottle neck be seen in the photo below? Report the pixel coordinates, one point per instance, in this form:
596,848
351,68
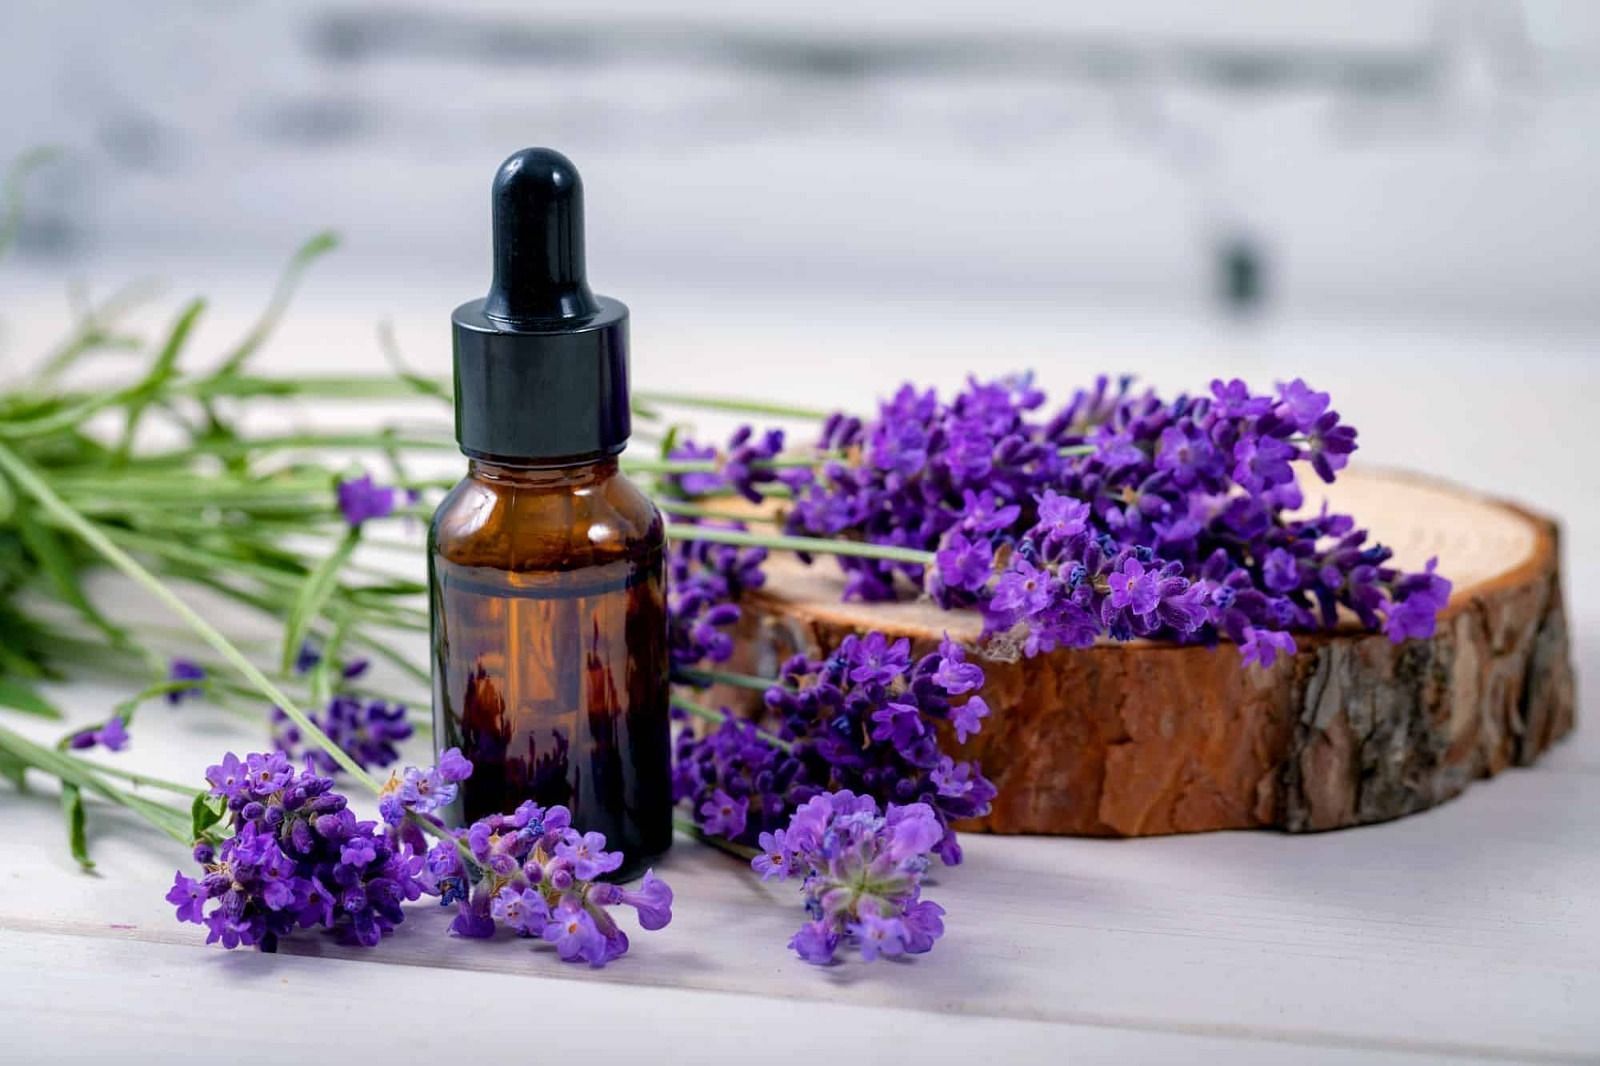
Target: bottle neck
538,473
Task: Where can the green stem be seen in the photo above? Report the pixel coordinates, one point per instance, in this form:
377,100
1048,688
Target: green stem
724,677
67,417
712,466
83,775
704,713
686,825
257,445
734,405
90,534
333,386
817,545
694,510
142,779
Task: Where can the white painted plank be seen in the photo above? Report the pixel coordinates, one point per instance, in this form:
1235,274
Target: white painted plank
167,1002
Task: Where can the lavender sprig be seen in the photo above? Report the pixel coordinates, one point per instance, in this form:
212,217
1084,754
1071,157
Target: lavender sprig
1119,515
706,582
861,875
865,718
296,858
533,873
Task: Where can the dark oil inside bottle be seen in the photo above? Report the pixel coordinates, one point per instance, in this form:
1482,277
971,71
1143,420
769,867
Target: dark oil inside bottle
550,649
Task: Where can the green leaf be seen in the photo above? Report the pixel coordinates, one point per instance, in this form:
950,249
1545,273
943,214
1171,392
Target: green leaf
96,330
162,369
425,386
314,593
77,836
17,665
166,361
8,499
22,697
307,254
670,441
206,812
14,770
46,546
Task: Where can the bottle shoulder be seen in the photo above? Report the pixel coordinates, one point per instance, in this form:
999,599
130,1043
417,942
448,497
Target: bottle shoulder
512,525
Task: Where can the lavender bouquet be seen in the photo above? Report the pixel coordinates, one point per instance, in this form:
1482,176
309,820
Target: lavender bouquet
1113,515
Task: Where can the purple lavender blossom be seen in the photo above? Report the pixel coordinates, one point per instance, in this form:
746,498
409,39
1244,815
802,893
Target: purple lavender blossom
1418,599
697,483
705,583
1300,405
1330,445
652,901
1121,515
1133,589
743,465
864,718
963,565
297,858
185,670
423,790
588,855
360,500
876,660
1263,646
954,674
533,873
722,815
967,718
522,910
309,656
368,731
113,736
454,766
774,858
861,875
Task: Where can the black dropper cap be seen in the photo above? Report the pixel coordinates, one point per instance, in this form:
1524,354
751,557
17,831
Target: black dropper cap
541,363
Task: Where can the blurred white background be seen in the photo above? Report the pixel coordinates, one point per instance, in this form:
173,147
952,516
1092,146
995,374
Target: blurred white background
1328,157
1396,199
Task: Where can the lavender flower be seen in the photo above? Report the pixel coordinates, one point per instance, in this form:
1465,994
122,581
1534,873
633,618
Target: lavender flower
865,718
423,790
696,483
1121,515
113,736
368,731
862,875
735,780
360,499
533,873
743,465
1263,646
185,670
705,582
722,815
310,656
1418,600
297,858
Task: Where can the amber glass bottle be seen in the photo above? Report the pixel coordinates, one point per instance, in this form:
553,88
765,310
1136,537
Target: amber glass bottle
546,564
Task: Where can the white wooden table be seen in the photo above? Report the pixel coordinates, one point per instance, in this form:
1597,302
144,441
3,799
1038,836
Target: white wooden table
1467,932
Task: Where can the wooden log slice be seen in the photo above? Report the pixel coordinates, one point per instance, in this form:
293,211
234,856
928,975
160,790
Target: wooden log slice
1146,738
